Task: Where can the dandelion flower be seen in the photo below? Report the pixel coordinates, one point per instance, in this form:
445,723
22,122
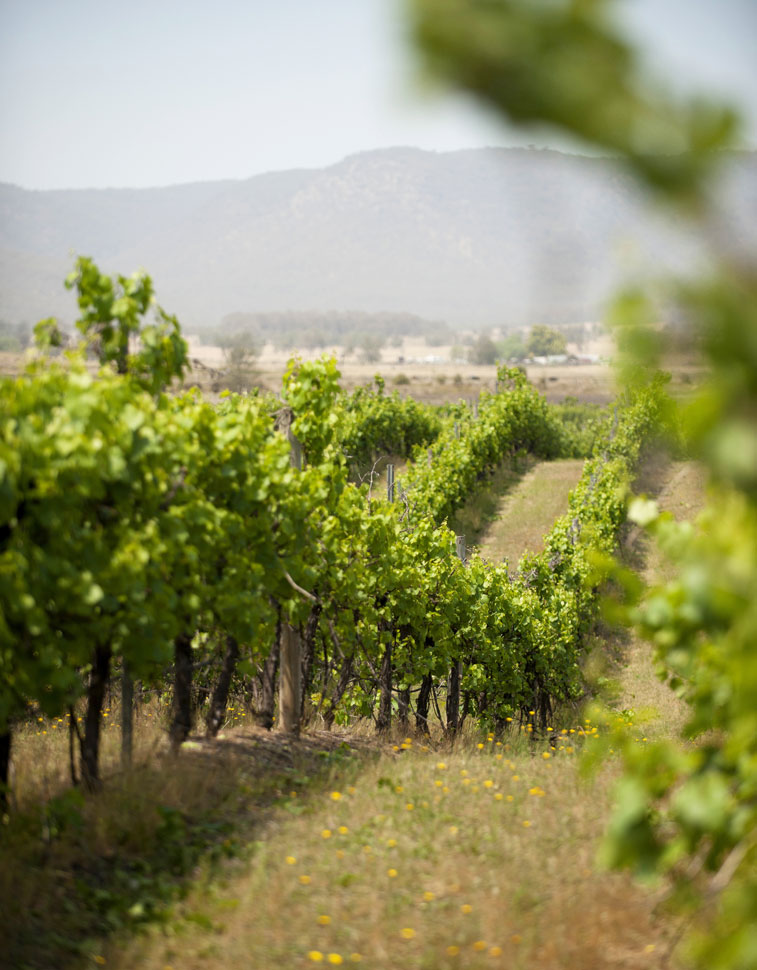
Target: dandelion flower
335,796
305,880
406,933
526,824
453,830
510,798
409,806
343,830
546,755
479,946
516,938
335,958
324,920
453,951
488,783
399,789
356,957
440,766
516,777
495,951
391,843
340,853
480,746
315,956
290,860
392,873
466,908
351,790
326,834
498,796
429,896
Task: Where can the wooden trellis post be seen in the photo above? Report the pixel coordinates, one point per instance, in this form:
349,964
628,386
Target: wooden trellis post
127,714
460,548
290,663
456,670
289,679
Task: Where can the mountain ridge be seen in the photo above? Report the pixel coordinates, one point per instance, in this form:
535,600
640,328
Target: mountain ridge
476,237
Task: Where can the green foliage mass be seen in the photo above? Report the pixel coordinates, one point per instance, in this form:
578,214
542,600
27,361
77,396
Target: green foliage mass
374,423
543,341
130,519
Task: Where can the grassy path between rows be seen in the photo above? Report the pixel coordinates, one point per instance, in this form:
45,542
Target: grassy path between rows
526,513
415,856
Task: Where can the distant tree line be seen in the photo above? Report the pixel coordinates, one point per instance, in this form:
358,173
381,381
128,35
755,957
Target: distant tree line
324,329
541,341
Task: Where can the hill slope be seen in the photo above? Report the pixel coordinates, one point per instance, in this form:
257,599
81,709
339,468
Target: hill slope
480,237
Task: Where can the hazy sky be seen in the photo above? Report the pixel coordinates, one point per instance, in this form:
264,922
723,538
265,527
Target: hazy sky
97,93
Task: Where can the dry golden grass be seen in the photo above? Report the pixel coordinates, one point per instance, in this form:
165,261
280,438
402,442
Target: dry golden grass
526,514
72,868
479,857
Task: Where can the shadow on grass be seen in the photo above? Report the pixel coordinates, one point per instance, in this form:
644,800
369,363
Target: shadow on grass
482,507
84,867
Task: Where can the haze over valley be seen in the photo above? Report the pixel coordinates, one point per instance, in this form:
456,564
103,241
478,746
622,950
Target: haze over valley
474,238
